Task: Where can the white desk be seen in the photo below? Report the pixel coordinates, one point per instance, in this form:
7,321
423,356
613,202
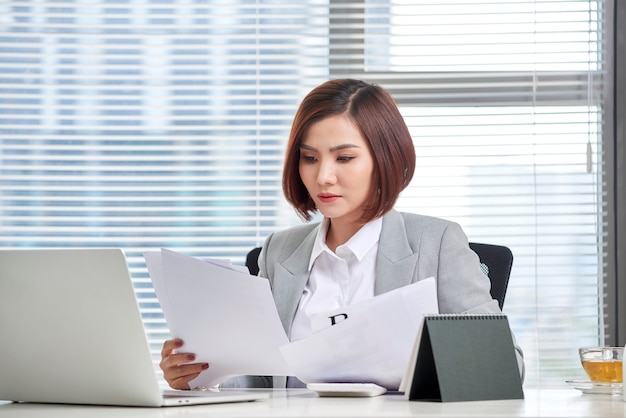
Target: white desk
303,403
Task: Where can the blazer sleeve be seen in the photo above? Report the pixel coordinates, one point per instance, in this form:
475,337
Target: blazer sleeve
462,286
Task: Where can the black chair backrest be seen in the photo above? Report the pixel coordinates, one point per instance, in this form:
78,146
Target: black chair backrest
252,261
496,262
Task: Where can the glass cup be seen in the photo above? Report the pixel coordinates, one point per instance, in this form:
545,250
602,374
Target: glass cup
602,364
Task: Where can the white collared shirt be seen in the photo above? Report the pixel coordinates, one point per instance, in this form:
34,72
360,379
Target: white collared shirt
338,279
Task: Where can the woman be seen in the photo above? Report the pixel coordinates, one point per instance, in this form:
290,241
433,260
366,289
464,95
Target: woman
349,156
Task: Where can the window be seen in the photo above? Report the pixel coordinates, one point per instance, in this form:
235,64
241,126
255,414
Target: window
147,124
505,101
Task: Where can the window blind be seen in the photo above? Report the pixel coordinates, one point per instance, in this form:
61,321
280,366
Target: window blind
145,124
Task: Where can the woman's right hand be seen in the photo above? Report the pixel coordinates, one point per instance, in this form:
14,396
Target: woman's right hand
177,370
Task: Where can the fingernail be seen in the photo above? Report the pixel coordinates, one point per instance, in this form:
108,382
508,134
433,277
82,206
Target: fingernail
191,356
205,366
178,343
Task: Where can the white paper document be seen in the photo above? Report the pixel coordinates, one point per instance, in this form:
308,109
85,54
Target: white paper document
370,342
229,319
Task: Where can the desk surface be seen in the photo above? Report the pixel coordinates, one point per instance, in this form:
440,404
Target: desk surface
303,403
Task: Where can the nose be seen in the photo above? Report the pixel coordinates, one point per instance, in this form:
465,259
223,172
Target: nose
326,173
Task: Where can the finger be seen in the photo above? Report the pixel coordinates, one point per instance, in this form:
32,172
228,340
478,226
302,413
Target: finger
175,360
170,345
177,365
174,373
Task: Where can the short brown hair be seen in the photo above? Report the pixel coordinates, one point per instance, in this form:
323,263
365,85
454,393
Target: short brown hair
374,112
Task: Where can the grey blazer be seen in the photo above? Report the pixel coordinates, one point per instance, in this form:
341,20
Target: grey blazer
411,248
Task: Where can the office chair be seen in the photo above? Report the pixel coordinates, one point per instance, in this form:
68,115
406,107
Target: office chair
252,261
496,262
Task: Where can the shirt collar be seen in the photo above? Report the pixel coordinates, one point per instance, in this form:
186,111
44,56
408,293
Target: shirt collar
360,243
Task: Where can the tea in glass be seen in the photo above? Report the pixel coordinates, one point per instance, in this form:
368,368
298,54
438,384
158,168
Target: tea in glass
602,364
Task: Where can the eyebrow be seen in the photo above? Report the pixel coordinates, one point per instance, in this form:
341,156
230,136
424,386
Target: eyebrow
332,149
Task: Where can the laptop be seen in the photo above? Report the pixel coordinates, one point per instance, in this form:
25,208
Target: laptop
72,333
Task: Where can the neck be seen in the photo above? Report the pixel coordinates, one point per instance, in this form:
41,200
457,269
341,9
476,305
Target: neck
339,233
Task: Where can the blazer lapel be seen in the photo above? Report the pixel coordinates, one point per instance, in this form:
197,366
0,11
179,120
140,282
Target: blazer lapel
396,263
290,277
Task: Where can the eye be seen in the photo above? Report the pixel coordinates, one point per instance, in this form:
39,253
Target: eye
345,158
308,158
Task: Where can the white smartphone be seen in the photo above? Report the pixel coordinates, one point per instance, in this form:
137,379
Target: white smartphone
347,389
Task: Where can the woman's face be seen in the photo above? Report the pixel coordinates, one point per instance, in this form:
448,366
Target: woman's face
336,167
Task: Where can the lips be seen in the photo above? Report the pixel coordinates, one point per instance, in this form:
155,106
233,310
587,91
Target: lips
327,197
